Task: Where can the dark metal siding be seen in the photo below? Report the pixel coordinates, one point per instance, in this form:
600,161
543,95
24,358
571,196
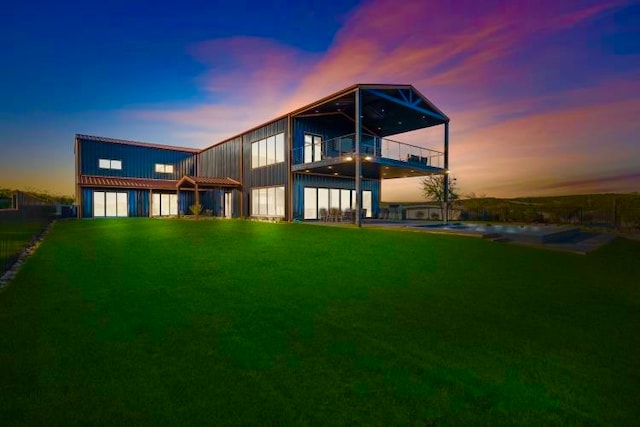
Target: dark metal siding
137,162
303,180
213,200
266,176
328,127
222,160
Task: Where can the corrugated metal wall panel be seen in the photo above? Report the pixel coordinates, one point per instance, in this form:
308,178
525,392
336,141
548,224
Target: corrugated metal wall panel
138,202
303,180
87,203
266,176
328,127
137,161
222,160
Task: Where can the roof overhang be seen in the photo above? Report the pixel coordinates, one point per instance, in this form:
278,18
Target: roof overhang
385,110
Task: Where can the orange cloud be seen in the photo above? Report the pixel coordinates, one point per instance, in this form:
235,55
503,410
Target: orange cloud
460,56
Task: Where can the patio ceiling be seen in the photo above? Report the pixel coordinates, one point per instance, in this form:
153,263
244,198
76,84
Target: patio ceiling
386,109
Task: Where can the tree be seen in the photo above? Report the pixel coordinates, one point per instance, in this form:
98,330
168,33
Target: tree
433,190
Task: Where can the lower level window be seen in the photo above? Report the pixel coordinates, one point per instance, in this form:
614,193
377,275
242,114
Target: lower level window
321,200
164,204
267,201
107,204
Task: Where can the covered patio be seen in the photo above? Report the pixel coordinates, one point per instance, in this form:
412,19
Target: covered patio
199,184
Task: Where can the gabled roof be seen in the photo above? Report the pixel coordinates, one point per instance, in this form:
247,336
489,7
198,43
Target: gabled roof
207,182
136,143
104,181
343,101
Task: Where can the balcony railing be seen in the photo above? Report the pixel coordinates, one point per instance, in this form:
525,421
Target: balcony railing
370,146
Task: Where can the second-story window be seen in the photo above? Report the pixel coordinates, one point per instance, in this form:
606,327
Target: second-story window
110,164
162,168
312,148
267,151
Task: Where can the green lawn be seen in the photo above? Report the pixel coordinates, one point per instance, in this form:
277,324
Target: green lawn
14,237
140,321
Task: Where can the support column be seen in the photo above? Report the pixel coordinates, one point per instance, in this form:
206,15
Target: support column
178,200
197,202
150,203
358,164
446,175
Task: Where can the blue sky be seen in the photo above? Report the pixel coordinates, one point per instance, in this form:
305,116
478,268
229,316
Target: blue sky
543,95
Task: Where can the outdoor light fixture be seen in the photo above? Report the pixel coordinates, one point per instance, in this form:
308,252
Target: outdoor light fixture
330,167
367,158
307,171
348,158
335,173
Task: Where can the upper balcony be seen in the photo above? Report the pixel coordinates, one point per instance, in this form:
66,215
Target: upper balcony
324,133
382,158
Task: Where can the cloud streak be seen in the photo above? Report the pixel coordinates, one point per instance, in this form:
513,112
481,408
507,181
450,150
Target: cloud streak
510,120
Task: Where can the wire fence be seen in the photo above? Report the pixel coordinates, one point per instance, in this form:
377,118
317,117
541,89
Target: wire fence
619,215
19,227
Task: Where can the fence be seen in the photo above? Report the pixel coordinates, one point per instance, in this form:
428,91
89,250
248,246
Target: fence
19,226
622,214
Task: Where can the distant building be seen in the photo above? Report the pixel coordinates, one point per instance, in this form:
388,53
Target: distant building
299,166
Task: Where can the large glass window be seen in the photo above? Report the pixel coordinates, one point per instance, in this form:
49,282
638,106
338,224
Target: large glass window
267,151
109,204
279,148
271,150
262,201
334,198
167,204
262,161
310,203
312,148
121,204
98,203
255,155
366,202
319,201
345,199
271,201
268,201
323,200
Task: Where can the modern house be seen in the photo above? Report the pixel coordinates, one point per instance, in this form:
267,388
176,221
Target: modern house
324,159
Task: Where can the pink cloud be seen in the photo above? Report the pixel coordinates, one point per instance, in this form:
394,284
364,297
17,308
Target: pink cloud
459,55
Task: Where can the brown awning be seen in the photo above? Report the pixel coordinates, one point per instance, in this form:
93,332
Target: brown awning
207,182
103,181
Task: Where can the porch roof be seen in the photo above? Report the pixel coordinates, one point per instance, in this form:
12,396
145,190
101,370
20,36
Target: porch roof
206,182
115,182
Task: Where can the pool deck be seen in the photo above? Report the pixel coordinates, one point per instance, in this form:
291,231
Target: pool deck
579,242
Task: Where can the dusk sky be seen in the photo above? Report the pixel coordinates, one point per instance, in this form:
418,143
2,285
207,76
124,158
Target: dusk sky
543,96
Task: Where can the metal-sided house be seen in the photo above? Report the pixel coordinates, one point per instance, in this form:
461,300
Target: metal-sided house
323,161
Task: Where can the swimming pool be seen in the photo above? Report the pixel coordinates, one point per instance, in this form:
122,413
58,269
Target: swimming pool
525,233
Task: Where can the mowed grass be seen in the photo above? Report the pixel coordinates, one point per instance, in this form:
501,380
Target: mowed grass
14,237
167,322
